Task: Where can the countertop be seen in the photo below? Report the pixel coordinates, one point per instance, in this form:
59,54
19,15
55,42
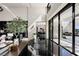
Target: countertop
20,48
4,45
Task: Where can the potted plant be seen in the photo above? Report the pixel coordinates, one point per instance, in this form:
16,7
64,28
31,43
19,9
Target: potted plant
17,26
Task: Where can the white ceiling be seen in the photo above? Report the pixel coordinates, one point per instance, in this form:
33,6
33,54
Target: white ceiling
16,4
25,4
38,4
20,9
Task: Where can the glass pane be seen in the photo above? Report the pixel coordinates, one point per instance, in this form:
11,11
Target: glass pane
77,29
50,30
64,52
55,49
66,29
50,38
51,50
55,29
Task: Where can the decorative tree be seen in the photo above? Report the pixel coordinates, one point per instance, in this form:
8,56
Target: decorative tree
17,26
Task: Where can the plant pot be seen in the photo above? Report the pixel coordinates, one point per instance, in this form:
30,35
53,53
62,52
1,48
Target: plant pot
16,41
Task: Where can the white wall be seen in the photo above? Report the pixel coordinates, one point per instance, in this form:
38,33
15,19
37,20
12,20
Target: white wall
32,28
34,13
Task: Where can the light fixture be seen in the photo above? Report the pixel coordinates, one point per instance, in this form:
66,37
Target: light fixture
1,9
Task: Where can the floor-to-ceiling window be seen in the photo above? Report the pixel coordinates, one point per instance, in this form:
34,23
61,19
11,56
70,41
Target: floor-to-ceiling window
55,35
50,38
63,24
55,29
66,29
77,28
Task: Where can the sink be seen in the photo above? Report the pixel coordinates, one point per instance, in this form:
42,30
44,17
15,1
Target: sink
2,45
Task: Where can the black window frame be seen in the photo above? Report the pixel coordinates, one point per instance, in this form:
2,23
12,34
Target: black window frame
53,25
73,28
64,9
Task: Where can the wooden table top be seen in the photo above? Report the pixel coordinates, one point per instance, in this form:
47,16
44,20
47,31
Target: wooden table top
20,48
